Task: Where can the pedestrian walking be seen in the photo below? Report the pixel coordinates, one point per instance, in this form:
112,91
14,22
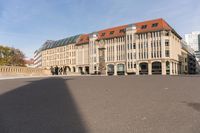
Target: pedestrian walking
52,70
60,70
65,70
56,70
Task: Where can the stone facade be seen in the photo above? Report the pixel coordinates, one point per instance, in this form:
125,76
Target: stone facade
150,47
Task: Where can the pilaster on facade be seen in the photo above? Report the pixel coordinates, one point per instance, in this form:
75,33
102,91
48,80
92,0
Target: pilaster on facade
77,69
163,44
149,68
137,48
163,67
137,69
115,69
114,42
176,68
149,46
171,68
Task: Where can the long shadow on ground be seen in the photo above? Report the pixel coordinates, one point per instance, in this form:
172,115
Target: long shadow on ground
44,106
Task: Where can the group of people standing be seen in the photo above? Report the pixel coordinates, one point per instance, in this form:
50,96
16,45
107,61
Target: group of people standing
58,70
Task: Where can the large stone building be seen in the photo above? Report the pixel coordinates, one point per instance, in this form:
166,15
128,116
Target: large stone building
150,47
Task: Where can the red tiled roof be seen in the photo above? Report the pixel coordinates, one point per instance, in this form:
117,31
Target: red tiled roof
119,31
112,32
161,25
83,39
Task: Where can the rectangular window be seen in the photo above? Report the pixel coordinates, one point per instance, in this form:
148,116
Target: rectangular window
95,51
158,54
166,42
134,46
128,56
131,56
130,37
166,53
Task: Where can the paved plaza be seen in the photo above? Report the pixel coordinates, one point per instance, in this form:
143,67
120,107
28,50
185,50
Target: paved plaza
100,104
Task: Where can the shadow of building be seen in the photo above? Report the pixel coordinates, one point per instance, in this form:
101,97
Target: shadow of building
44,106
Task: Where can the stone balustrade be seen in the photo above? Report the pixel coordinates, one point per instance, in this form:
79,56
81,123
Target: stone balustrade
22,71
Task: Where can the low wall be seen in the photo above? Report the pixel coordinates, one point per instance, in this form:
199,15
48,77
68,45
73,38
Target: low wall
22,71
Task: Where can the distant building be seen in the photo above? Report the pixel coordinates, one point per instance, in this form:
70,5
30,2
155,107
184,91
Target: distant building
189,62
38,59
193,40
197,54
149,47
29,63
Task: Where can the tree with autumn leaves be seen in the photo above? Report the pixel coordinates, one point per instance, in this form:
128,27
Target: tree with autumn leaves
11,57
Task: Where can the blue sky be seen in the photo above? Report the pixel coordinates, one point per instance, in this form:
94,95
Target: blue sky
27,24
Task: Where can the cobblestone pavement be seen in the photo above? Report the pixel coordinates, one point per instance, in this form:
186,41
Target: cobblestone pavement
124,104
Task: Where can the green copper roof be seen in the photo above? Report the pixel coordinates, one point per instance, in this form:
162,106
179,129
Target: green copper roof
53,44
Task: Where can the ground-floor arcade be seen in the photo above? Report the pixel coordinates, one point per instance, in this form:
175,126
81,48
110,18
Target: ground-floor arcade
157,67
115,69
143,67
83,69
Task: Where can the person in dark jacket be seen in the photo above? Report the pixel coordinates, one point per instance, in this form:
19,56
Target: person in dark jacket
52,70
56,70
60,70
65,70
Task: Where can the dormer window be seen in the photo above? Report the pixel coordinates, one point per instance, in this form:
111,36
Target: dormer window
122,31
112,32
154,25
144,27
103,34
